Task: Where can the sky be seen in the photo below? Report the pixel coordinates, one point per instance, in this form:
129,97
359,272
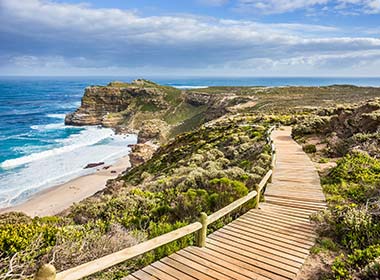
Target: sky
190,38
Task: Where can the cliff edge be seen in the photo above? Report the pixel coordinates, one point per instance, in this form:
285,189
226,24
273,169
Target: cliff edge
154,111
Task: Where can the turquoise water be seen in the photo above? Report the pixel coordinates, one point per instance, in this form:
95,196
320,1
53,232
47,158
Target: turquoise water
38,151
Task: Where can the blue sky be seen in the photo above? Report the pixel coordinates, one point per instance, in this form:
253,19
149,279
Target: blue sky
190,37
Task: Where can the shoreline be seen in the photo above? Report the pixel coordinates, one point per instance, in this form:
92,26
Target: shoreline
56,199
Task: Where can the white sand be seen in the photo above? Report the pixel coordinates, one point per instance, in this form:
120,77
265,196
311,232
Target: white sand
56,199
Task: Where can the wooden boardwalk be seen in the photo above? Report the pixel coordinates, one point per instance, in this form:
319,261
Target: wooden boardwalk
267,243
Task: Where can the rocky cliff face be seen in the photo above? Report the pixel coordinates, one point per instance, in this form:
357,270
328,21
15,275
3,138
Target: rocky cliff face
150,109
108,106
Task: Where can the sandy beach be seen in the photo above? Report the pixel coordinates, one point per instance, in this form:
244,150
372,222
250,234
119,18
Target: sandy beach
58,198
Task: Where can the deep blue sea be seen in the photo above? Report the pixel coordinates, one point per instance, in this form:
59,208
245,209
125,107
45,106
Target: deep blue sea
37,151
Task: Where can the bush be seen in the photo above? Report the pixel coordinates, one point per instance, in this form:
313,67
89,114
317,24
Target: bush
344,267
309,148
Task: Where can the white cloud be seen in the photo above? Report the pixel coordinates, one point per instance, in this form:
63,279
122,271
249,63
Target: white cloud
49,35
277,6
345,7
359,6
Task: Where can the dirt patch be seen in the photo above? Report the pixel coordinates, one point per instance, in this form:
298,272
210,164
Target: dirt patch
316,266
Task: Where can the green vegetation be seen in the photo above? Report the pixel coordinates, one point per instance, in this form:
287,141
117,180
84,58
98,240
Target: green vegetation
200,171
216,153
309,148
351,224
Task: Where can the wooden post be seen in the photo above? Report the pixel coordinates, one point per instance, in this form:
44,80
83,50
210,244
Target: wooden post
271,167
258,190
45,272
202,233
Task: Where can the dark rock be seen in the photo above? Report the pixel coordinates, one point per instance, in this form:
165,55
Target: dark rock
92,165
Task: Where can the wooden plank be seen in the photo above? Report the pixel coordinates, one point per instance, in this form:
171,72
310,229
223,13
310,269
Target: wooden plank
295,204
192,260
302,188
158,273
172,271
298,193
301,226
271,244
219,263
271,249
288,210
302,198
288,234
292,204
292,231
254,253
142,275
254,265
274,236
282,215
130,277
183,267
316,204
239,263
267,215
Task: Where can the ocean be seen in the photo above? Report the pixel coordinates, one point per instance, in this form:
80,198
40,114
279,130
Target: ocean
38,151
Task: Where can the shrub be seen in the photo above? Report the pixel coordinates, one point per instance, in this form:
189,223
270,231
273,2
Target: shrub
344,267
309,148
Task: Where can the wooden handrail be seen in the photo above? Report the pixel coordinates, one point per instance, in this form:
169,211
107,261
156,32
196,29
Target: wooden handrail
105,262
47,272
267,178
229,208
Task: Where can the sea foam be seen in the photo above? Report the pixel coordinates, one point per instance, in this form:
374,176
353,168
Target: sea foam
89,136
56,116
38,171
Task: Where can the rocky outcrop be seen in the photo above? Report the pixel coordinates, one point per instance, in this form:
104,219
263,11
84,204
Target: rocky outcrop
153,129
141,153
153,110
345,128
198,98
110,105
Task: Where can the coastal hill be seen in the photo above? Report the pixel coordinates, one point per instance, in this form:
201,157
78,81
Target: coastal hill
156,111
212,150
160,112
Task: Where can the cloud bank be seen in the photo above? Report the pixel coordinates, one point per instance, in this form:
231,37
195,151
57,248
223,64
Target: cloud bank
50,37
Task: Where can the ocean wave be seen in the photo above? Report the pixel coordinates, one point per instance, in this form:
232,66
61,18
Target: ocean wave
48,126
71,106
56,116
87,137
18,184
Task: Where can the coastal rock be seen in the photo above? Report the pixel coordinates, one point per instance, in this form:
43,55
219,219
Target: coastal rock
92,165
141,153
153,130
112,119
157,112
111,105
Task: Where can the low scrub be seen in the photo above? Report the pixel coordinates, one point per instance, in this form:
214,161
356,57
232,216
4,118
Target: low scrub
200,171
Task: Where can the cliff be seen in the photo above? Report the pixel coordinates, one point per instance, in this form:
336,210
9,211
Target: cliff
155,111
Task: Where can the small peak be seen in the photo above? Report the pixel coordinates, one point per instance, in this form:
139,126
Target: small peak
143,82
118,84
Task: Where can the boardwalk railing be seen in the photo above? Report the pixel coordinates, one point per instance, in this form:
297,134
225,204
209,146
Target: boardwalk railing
48,272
